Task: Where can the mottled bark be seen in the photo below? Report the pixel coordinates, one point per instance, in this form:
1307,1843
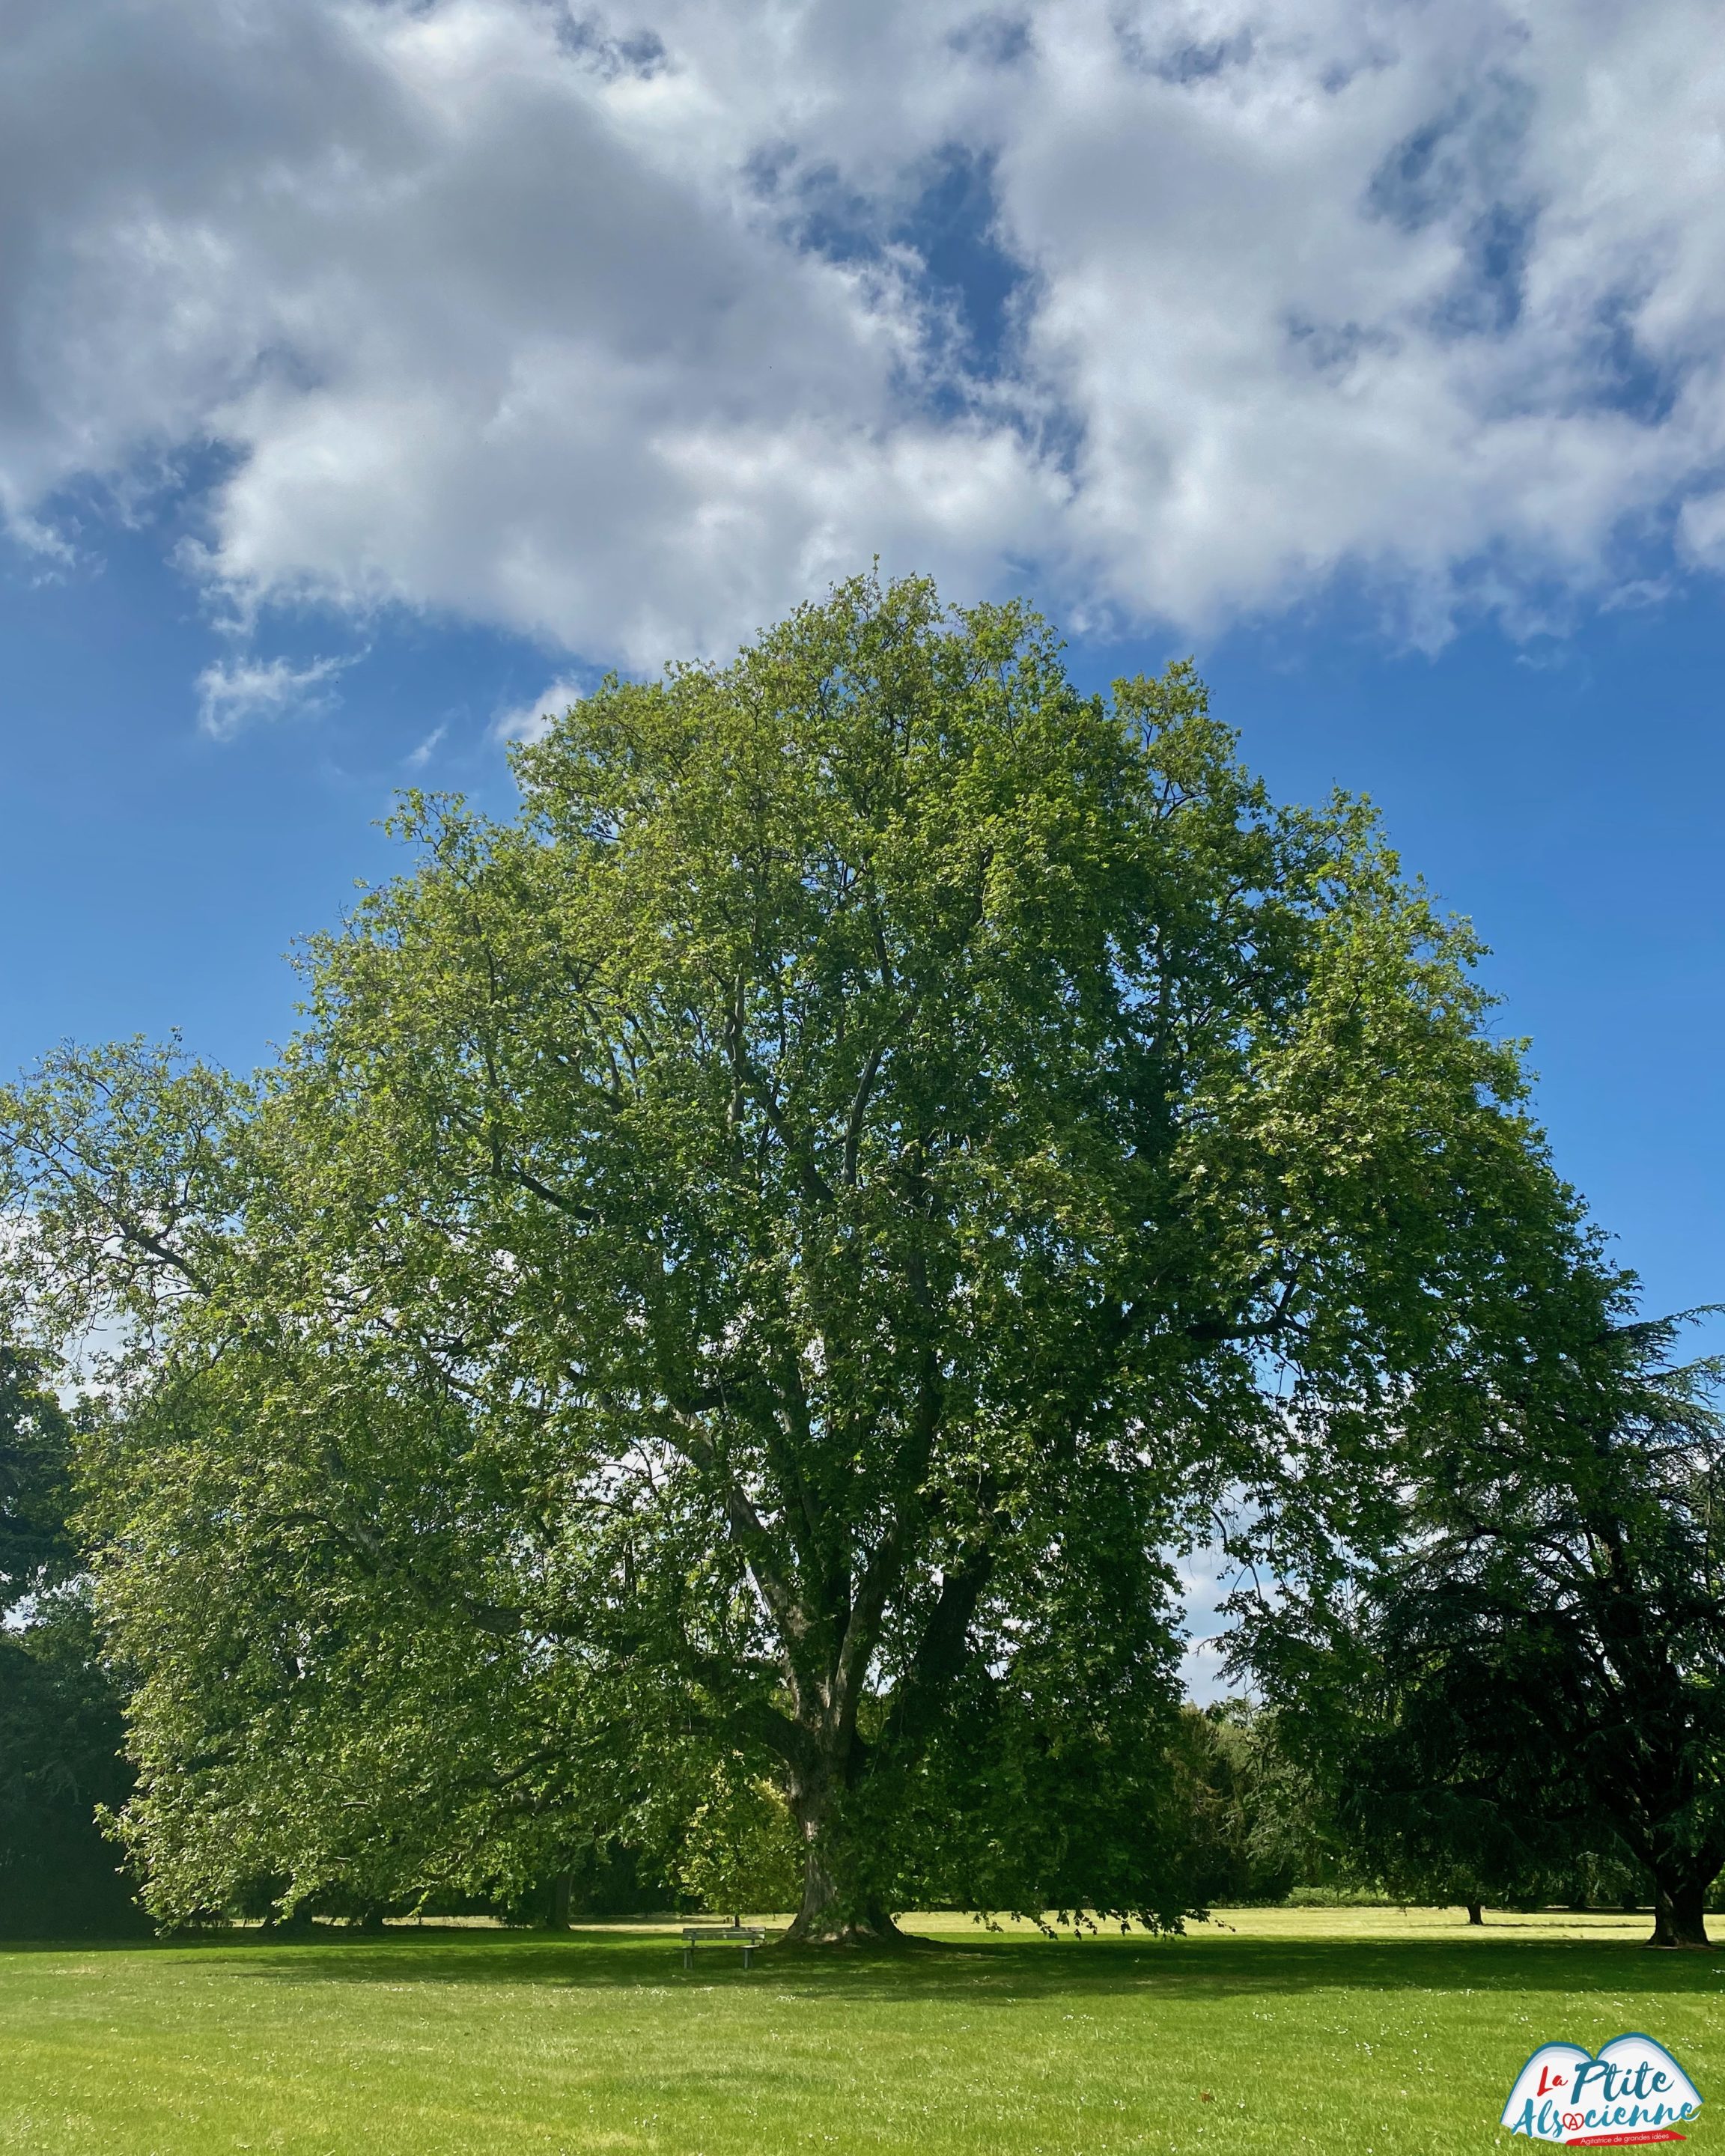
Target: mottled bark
839,1907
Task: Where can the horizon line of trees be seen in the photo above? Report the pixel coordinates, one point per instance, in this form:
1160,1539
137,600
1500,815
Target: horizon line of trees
708,1339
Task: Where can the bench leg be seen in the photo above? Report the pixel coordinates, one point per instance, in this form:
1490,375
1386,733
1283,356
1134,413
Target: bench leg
746,1951
688,1956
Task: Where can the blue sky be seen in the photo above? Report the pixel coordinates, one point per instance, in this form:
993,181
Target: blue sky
1565,793
374,372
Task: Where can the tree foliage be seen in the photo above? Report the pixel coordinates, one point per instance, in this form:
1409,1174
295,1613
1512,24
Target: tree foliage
1524,1690
750,1268
1256,1823
60,1727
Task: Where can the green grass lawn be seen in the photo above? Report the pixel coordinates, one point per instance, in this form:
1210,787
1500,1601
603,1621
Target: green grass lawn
1366,2031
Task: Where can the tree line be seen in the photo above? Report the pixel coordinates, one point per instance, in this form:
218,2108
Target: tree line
710,1341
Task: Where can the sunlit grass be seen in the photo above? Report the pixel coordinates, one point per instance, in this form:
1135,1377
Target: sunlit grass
1369,2030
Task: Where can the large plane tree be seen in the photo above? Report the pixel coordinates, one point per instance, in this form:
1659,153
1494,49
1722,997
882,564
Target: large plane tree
749,1270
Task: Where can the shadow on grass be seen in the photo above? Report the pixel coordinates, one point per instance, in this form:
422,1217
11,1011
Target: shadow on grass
975,1972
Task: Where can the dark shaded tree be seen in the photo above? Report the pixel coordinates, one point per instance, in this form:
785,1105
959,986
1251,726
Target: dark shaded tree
1527,1691
60,1722
1255,1821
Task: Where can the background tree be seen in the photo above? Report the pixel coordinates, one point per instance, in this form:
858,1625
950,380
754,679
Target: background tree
741,1850
1415,1808
60,1725
1526,1689
750,1267
1257,1823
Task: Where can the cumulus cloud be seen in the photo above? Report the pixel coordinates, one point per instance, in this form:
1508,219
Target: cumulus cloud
627,330
232,694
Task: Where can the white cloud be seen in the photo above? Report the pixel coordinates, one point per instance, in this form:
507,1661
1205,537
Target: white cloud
1206,1577
543,317
417,757
532,721
1701,529
232,694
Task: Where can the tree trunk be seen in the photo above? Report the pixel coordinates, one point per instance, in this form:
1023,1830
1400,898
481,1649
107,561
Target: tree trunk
1476,1913
1679,1909
839,1907
562,1890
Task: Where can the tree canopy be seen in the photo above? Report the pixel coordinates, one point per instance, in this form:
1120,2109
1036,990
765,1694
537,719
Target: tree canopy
749,1270
60,1727
1528,1679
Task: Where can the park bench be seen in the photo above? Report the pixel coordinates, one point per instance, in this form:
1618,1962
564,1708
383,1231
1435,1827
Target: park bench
748,1936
